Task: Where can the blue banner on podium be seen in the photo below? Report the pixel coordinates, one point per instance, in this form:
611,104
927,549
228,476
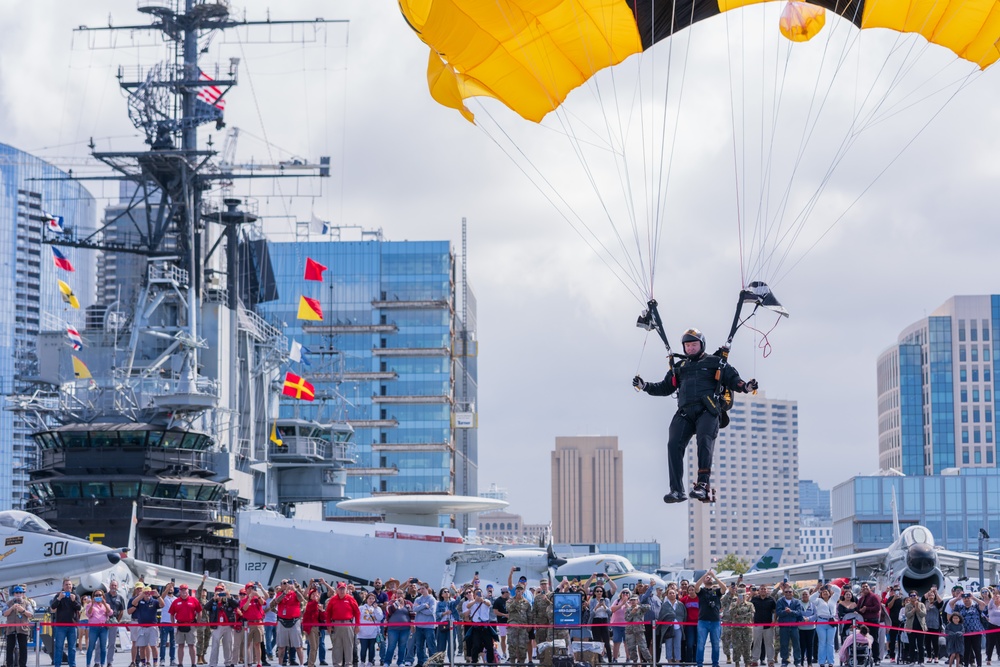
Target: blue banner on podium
567,609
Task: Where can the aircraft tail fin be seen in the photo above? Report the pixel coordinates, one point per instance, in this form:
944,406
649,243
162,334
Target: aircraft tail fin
770,559
895,516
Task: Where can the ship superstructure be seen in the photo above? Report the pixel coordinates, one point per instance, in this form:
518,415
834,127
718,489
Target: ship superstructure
169,402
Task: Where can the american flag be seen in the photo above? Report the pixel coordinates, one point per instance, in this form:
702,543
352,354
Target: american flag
211,95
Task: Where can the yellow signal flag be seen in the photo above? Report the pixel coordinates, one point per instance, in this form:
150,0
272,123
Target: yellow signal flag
275,438
309,309
80,369
67,294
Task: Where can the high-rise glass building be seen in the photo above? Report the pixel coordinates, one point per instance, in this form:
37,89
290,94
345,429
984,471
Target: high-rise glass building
756,478
953,507
395,354
814,502
30,300
937,392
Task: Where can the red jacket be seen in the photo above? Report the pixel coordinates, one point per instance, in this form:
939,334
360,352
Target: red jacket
312,616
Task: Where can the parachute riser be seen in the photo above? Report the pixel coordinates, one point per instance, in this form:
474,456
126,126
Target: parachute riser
650,320
723,352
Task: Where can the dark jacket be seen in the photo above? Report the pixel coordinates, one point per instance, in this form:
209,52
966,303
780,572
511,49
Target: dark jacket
694,379
65,609
214,606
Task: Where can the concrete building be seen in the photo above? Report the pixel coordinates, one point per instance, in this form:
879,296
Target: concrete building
815,539
30,300
536,533
756,477
501,527
953,507
587,493
937,391
495,492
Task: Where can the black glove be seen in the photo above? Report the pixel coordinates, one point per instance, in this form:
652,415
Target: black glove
638,383
750,385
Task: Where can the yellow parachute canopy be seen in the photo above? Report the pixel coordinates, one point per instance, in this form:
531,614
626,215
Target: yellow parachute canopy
530,54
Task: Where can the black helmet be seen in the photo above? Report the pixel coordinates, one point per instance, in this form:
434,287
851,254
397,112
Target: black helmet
692,335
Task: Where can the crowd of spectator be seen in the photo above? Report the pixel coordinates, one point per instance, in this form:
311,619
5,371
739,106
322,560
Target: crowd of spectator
409,623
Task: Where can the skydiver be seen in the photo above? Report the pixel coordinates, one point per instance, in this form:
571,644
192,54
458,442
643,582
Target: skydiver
698,411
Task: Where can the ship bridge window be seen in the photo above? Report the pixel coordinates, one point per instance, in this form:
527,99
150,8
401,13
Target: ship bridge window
133,438
96,490
104,439
191,441
171,439
155,437
125,489
75,439
46,441
148,488
42,490
166,490
66,489
205,492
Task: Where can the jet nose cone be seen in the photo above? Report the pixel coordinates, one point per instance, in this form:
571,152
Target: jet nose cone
921,559
114,557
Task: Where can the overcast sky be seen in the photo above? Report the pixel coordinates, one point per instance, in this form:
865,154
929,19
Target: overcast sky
558,345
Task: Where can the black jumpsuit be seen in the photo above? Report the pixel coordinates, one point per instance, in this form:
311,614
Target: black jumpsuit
693,380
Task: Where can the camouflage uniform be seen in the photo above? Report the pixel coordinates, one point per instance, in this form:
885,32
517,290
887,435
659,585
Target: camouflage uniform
541,614
727,631
203,634
635,635
518,610
741,612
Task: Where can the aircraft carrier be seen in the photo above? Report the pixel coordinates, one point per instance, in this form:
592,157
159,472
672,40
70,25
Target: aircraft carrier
178,387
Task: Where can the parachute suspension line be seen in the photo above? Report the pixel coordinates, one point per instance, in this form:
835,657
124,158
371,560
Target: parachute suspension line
858,126
621,166
621,273
860,123
642,353
877,177
741,236
635,274
807,130
663,183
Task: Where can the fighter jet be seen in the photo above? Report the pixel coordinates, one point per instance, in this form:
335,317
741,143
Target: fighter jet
912,562
36,555
40,557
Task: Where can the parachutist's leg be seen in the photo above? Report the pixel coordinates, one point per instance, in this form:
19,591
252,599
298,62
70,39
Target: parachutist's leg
681,430
708,431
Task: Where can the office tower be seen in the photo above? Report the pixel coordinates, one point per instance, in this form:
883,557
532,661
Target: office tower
936,392
394,354
30,300
756,476
587,490
814,502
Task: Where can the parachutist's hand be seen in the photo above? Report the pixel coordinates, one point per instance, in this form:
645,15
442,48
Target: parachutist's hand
638,383
750,385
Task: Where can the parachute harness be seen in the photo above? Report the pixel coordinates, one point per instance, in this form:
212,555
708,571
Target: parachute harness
757,293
